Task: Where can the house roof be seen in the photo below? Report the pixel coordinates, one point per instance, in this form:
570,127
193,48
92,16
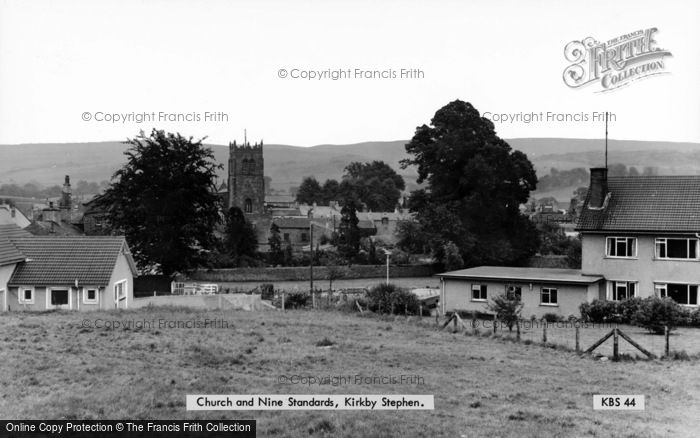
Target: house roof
9,254
11,231
61,260
292,222
646,203
550,275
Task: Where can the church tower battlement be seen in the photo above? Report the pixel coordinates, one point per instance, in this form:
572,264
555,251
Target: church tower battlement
246,177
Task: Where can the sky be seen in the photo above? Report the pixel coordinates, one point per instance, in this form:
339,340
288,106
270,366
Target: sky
76,71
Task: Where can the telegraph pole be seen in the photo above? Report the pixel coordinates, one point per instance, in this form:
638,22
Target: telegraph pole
311,264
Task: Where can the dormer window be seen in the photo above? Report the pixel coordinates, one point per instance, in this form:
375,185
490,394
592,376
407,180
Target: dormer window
621,247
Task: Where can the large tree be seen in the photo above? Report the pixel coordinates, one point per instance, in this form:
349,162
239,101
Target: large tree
164,201
475,185
348,230
376,184
309,191
241,240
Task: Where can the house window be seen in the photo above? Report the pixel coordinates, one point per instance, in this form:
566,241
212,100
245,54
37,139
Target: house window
548,296
26,295
682,249
621,247
248,205
514,292
478,292
120,291
686,294
90,295
286,237
622,290
59,297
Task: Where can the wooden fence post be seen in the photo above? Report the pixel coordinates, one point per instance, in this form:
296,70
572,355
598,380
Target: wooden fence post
495,322
284,298
666,346
437,316
420,311
405,309
517,329
455,321
544,331
616,350
578,344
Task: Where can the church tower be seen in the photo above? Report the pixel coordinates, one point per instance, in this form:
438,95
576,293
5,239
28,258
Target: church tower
246,178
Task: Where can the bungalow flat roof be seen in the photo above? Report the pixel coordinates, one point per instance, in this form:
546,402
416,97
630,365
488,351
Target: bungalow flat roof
572,276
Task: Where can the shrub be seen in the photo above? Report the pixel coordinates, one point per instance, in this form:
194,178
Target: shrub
694,318
383,297
654,313
598,311
628,308
552,317
267,291
506,309
295,300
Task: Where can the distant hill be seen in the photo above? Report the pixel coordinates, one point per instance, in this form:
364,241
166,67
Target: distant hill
287,165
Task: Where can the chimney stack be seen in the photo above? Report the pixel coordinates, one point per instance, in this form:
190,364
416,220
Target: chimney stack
599,187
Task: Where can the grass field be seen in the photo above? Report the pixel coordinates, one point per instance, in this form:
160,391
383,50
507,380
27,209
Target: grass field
59,365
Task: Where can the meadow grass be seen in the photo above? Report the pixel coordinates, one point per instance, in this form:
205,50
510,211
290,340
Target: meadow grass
82,366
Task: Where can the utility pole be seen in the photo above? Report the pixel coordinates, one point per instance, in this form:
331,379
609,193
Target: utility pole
388,254
311,264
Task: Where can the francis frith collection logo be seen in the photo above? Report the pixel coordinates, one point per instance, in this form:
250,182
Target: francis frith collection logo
614,63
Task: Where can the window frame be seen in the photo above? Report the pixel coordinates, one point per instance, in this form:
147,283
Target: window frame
664,240
480,288
608,247
661,291
21,298
49,297
515,287
118,298
549,294
86,300
612,289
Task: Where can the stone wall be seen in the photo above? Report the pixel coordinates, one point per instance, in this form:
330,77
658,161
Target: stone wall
302,273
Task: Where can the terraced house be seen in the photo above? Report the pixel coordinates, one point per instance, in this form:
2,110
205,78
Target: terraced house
640,238
64,272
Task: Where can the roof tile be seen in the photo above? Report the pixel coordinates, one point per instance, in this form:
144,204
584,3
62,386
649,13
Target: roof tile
647,203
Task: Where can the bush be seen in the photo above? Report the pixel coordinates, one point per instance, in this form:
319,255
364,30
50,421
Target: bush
552,317
654,313
506,309
267,291
599,311
383,297
296,300
627,309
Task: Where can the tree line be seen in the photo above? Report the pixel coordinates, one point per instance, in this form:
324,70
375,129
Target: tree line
375,185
